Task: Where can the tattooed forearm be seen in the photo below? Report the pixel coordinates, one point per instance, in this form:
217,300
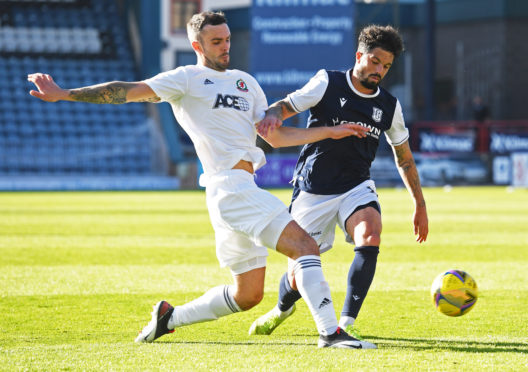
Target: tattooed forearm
152,100
280,109
113,93
275,110
408,172
287,108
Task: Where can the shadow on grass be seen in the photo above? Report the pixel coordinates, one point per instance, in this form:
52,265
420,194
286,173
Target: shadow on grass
470,346
388,343
237,343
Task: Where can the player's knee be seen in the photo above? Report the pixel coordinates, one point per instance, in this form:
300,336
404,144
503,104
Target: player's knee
295,242
309,247
250,300
372,239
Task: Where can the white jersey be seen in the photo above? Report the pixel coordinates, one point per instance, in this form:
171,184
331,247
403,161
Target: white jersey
218,110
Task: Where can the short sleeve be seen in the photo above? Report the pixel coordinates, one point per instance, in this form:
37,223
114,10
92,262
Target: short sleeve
397,133
310,94
170,85
261,104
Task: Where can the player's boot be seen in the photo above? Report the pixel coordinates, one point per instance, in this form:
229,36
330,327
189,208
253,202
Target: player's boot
157,327
269,321
341,339
354,332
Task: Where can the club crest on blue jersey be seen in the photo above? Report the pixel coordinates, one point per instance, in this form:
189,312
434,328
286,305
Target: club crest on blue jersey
376,114
241,85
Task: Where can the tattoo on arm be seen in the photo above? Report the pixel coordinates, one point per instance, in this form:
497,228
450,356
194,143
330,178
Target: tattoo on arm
279,108
114,93
409,173
153,99
287,107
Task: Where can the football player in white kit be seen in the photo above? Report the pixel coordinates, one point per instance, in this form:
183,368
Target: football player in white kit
218,108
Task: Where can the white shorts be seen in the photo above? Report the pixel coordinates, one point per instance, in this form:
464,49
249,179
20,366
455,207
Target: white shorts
246,219
318,214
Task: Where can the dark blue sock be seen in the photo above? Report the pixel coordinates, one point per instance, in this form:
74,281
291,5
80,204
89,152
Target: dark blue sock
360,277
287,295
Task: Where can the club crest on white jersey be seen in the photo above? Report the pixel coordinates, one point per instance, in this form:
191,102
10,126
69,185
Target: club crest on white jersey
241,85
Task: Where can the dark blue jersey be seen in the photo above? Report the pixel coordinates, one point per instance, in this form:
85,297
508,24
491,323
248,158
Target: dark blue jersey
336,166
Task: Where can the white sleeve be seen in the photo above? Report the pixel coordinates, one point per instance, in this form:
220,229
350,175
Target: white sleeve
170,85
261,104
397,133
309,95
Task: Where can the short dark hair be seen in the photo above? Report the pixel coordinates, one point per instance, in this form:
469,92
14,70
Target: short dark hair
200,20
385,37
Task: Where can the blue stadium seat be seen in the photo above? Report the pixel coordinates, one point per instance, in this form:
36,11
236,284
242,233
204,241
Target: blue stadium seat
65,137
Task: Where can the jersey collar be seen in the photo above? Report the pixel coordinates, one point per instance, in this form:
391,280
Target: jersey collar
349,81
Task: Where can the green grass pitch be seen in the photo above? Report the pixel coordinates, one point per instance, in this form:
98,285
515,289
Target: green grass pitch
79,273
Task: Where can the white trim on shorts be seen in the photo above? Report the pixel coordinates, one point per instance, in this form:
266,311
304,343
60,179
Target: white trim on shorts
248,265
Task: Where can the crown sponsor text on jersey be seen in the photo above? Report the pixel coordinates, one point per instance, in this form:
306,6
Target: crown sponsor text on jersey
230,101
373,131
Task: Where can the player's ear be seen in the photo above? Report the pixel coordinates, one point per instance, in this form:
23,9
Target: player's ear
358,55
197,46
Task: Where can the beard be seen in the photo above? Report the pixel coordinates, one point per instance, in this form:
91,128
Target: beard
368,83
216,64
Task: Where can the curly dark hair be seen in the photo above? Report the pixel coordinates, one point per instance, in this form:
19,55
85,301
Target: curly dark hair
200,20
385,37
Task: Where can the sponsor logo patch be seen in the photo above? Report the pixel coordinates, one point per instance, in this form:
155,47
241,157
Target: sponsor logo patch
230,101
373,131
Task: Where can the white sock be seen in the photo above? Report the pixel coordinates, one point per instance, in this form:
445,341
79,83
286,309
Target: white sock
315,291
345,321
215,303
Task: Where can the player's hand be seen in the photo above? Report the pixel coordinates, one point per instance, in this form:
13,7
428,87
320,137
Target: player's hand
346,130
267,125
48,90
421,224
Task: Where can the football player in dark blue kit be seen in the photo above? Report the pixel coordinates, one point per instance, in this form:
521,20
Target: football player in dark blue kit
332,182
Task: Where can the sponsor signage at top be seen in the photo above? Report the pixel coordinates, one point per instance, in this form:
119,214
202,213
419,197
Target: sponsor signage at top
292,39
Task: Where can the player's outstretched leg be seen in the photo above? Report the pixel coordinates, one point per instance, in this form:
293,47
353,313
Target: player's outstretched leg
267,323
215,303
341,339
157,327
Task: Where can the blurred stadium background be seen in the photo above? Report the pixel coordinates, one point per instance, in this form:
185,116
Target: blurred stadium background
460,81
